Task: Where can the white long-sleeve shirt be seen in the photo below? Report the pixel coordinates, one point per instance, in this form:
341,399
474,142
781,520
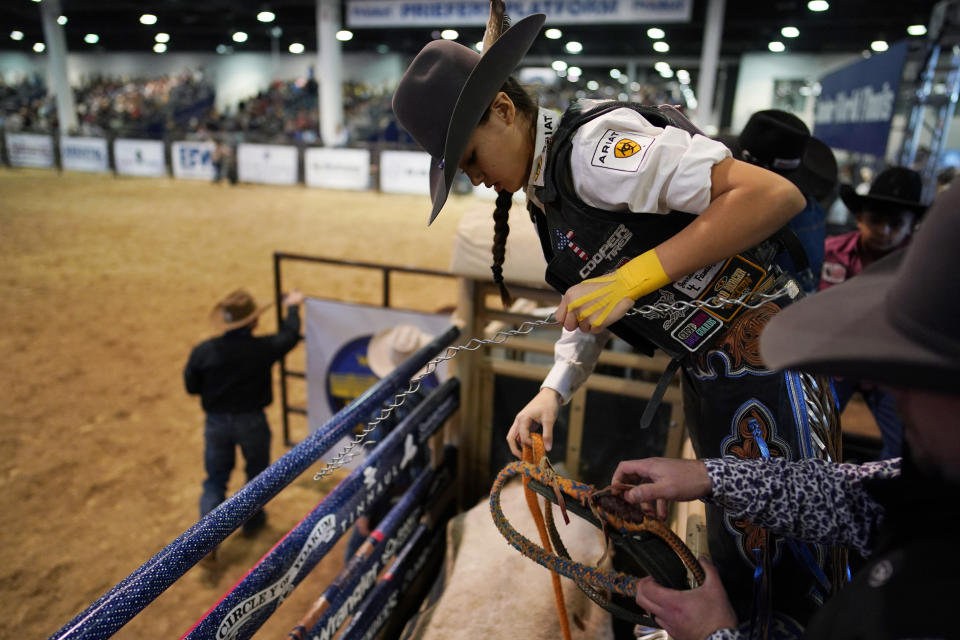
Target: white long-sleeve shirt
670,171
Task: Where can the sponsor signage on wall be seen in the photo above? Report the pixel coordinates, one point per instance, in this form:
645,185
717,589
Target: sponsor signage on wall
30,150
267,163
84,154
403,13
337,168
855,105
139,157
192,160
405,172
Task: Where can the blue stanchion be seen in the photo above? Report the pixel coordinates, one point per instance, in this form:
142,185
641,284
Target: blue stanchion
248,605
130,596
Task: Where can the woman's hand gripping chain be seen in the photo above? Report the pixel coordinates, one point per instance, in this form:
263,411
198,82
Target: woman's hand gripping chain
611,295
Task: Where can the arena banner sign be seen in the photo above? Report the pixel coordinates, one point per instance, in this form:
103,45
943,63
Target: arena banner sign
855,105
267,163
30,150
337,168
430,13
84,154
405,172
338,335
139,158
192,160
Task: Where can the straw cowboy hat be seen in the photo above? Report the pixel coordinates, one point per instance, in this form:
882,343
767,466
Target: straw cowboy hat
445,92
389,348
781,142
895,323
894,189
237,309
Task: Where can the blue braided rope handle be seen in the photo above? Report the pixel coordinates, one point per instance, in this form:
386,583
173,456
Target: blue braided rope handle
612,581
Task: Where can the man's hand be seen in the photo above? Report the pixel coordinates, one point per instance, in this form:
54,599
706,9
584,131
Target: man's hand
656,480
692,614
292,298
542,410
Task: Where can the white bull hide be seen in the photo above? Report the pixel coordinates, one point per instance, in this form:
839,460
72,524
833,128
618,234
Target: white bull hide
492,591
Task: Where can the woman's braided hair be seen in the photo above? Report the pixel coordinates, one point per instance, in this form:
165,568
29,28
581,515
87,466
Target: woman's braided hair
526,105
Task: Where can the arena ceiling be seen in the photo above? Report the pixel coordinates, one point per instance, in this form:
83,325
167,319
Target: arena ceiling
202,25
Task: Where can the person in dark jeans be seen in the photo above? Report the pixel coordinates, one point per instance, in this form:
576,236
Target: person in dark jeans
231,374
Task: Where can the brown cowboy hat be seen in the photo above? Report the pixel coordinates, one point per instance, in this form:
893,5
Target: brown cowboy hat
445,92
237,309
894,189
781,142
895,323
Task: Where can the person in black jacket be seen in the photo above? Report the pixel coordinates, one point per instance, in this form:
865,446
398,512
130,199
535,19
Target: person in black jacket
231,374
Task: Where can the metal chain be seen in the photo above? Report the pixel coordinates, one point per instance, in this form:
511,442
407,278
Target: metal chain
353,448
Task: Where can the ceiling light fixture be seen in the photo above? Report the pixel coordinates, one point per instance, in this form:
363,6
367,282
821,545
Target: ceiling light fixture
266,16
159,47
16,35
91,38
449,34
573,47
655,33
818,5
558,65
39,47
917,30
879,46
148,18
661,46
61,20
614,73
777,47
593,85
344,35
296,47
790,32
162,37
553,34
239,36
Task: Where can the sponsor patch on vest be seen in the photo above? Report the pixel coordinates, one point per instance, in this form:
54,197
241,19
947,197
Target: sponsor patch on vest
738,277
833,272
694,284
621,151
696,328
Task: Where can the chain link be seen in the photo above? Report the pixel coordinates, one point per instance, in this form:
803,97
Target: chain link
353,448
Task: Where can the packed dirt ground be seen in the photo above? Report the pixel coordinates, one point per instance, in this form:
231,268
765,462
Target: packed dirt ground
106,284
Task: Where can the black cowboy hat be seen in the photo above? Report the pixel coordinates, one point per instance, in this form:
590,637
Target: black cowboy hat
781,142
895,189
447,89
895,323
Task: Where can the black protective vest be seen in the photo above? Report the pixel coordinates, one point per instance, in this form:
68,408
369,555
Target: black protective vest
580,242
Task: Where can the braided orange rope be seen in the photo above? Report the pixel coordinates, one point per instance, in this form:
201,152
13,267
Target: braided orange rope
532,455
602,504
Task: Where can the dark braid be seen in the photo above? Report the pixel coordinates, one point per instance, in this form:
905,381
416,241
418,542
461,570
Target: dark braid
501,229
527,105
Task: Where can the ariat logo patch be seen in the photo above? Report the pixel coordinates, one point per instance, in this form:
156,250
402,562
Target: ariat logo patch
626,148
621,151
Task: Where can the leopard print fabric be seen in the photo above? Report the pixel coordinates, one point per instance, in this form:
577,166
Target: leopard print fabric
812,500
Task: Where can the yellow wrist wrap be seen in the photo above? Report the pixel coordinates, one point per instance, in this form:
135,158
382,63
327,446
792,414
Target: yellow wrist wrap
633,280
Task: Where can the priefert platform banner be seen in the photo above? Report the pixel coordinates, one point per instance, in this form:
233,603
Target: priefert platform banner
337,168
30,150
405,172
192,160
84,154
139,158
267,163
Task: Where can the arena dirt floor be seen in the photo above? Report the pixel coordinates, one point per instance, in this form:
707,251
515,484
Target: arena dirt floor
105,285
